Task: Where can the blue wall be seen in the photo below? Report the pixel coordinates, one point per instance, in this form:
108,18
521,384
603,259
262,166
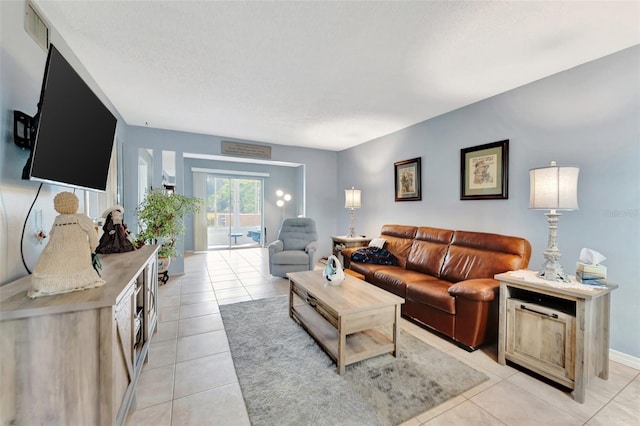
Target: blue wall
314,181
588,116
280,177
22,64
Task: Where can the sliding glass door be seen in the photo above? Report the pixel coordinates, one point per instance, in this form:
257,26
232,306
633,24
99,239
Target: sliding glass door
234,212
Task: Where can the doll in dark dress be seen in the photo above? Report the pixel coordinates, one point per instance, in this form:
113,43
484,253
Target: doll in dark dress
115,238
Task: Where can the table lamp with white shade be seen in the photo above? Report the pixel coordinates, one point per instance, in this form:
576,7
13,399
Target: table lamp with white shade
553,188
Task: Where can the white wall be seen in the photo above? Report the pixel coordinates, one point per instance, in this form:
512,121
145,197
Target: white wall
588,117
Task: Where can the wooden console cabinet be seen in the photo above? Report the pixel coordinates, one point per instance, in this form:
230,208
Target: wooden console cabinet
75,358
559,333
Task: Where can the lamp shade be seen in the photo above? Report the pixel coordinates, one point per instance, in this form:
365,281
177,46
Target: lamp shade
352,198
553,188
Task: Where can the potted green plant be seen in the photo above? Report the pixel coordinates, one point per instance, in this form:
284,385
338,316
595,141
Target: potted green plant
161,221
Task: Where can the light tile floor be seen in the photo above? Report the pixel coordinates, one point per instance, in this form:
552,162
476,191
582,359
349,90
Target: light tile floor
190,378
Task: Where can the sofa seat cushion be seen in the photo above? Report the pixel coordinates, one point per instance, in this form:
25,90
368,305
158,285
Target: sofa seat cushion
395,279
366,269
434,293
290,257
387,278
396,274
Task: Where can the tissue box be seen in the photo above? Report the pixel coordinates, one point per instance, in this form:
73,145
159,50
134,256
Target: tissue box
591,274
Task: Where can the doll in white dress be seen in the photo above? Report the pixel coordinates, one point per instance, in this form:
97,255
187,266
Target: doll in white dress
65,264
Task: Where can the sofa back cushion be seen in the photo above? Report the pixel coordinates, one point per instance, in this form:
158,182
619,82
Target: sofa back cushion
428,250
398,241
474,255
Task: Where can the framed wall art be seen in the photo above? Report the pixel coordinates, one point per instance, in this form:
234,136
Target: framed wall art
484,172
408,180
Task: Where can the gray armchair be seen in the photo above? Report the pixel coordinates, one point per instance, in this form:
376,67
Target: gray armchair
294,249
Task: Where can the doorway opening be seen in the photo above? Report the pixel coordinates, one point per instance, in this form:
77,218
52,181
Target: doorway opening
234,212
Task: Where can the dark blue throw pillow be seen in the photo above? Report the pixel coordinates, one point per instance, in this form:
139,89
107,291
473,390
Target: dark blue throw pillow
375,255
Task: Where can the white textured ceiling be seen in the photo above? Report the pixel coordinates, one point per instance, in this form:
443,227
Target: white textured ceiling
327,75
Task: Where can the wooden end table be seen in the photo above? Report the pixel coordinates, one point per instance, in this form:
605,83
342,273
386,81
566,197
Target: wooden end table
348,321
559,332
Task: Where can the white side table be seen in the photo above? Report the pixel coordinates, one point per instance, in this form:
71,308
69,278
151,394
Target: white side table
560,331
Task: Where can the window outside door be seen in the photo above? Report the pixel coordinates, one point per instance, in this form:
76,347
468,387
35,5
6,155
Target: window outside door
234,212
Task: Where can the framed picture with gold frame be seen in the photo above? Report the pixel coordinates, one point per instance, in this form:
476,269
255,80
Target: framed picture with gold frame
484,172
408,180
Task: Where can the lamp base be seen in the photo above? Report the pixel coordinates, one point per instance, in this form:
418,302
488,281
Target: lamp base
352,224
553,273
552,270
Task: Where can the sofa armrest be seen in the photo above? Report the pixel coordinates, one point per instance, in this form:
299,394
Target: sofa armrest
346,255
348,251
480,289
275,246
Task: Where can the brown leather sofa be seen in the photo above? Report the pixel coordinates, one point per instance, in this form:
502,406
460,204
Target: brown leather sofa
446,277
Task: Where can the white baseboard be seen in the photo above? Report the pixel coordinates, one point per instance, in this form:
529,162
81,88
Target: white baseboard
625,359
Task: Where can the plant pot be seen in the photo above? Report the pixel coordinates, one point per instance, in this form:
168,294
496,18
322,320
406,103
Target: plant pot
163,266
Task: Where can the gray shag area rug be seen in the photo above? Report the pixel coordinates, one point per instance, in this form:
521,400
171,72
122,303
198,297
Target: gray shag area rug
287,379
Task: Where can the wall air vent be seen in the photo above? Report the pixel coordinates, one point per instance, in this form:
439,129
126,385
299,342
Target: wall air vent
35,26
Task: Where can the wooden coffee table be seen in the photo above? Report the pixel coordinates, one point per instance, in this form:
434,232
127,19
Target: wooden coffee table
351,322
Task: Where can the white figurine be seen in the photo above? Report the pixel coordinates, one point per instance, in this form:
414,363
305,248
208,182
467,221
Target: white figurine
65,264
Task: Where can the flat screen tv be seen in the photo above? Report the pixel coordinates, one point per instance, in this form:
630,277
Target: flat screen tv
75,131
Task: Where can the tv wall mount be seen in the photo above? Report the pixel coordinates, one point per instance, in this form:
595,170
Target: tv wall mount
24,129
24,135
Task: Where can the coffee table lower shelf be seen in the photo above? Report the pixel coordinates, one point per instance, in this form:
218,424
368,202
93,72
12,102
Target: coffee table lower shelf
359,345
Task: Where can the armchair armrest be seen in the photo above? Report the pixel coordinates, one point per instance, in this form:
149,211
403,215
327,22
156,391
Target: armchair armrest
275,246
311,247
480,289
